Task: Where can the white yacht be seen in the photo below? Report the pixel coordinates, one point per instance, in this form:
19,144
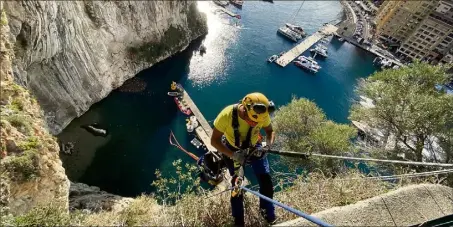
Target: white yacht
289,34
298,29
320,50
307,63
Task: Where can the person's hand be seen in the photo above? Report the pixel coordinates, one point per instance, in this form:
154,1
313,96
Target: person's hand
239,156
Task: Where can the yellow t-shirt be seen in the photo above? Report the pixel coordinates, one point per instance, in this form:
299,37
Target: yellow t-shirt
224,123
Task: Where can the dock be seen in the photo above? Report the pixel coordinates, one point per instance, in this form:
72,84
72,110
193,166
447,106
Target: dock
203,122
227,12
296,51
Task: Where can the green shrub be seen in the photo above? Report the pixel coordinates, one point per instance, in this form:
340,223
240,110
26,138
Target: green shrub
23,167
3,19
30,144
21,122
17,105
44,216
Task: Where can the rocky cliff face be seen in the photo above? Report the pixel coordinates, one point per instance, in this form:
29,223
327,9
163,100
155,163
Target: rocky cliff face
31,172
71,54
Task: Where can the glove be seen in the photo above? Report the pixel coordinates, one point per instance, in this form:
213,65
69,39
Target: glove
239,156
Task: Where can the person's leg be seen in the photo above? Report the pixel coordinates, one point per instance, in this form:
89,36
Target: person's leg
262,172
237,202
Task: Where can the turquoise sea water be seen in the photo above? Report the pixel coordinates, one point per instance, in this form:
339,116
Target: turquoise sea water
140,115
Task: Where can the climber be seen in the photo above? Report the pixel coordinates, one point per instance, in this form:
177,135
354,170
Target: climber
236,133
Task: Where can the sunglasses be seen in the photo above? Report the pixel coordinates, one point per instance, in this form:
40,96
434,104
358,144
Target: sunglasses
260,108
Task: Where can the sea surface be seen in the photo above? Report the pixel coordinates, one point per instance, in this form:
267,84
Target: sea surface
139,116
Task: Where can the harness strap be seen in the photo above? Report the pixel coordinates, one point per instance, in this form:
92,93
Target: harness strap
237,136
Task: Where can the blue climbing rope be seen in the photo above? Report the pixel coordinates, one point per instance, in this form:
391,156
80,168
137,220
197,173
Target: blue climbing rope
292,210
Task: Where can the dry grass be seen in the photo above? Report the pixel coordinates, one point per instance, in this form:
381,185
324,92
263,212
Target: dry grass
313,195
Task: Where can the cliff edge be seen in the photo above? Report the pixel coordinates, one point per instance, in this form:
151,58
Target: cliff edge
71,54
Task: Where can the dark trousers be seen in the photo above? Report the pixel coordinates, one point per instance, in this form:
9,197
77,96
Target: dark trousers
262,172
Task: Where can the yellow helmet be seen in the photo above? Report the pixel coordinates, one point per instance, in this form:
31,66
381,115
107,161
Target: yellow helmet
258,106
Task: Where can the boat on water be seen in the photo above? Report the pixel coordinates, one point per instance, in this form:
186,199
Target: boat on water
307,63
297,29
289,34
237,3
341,39
320,50
179,99
202,49
221,3
174,93
272,58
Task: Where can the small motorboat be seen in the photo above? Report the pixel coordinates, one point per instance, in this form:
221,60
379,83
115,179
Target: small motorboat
341,39
178,95
272,58
237,3
202,49
182,105
174,93
320,50
221,3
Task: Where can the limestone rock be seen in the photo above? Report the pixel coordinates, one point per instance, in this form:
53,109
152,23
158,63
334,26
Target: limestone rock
30,169
71,54
84,197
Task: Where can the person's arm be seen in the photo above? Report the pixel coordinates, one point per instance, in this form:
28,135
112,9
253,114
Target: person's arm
270,135
216,142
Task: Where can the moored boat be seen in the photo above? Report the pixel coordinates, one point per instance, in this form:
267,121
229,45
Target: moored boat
174,93
297,29
307,63
289,34
182,105
272,58
178,95
237,3
221,3
320,50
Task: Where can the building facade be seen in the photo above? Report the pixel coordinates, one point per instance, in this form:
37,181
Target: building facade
432,40
396,20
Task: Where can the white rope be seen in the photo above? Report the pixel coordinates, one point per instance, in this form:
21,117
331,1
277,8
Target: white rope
392,177
385,160
292,153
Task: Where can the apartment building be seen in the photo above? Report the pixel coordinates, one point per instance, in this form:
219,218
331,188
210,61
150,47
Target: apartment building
396,20
432,40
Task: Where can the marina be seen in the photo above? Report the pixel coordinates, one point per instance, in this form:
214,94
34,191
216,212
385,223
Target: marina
139,122
290,55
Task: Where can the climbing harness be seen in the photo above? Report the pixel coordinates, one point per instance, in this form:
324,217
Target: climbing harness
304,155
237,136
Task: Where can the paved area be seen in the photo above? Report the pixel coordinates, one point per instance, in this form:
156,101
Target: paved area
406,206
290,55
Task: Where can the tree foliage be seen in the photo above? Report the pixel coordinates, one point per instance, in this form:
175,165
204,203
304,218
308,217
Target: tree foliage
408,105
302,127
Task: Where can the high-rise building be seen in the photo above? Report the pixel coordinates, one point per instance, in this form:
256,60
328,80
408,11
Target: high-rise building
396,20
432,40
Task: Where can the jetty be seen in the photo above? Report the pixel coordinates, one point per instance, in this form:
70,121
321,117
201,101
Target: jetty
296,51
223,10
